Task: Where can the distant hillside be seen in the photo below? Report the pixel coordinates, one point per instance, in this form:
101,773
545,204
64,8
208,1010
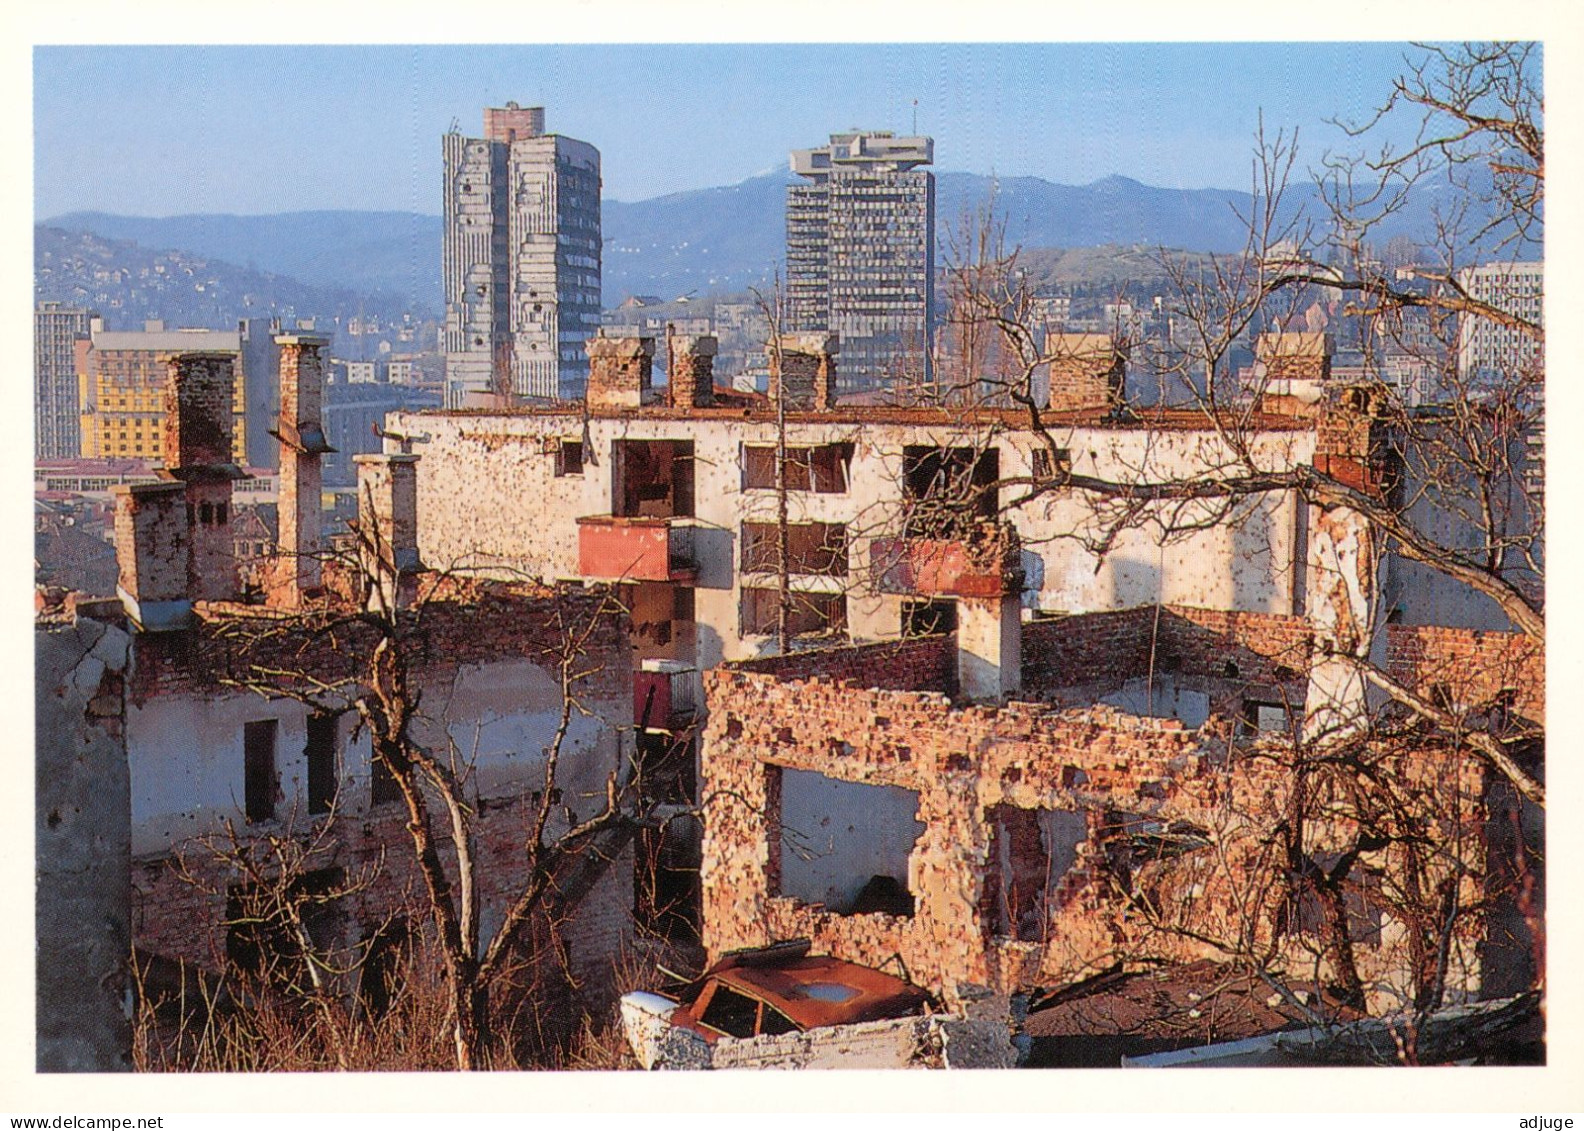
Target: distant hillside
393,254
717,240
128,283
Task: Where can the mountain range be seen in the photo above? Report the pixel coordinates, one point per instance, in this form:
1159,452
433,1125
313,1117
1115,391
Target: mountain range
713,240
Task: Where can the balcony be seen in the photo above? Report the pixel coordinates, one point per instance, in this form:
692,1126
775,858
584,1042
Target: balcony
666,694
614,548
986,563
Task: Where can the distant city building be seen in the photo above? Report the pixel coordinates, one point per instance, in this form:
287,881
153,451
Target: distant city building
861,254
1487,347
56,329
121,377
521,258
352,412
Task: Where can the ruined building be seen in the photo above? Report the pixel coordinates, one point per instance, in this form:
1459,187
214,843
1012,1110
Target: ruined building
219,724
861,254
521,258
1122,800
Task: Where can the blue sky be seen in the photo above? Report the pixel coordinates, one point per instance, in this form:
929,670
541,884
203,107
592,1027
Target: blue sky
157,131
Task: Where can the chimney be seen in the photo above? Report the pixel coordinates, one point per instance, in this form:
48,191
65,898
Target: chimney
302,444
388,526
620,371
153,550
199,424
1085,371
692,370
989,647
1290,356
807,370
1351,444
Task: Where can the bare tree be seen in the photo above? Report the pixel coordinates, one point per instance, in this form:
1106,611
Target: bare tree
1444,482
367,654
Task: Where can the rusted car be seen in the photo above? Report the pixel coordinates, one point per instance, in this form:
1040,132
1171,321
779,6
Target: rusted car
765,991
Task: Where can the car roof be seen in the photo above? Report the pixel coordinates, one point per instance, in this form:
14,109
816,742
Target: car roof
817,990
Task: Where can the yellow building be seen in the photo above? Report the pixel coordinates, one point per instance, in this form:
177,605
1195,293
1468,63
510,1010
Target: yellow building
121,388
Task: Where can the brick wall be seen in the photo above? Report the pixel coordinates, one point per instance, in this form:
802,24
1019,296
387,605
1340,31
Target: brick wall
461,622
922,663
199,390
1473,667
691,370
1086,371
1118,770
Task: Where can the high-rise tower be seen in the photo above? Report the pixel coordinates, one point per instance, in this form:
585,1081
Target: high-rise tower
56,331
861,254
521,258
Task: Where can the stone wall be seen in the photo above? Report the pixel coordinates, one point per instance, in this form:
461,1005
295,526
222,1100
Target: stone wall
82,841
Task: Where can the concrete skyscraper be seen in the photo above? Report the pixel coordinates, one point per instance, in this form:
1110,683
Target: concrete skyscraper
521,258
56,330
861,254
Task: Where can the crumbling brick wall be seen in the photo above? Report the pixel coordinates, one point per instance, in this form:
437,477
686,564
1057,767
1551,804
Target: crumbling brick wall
916,664
1123,773
1474,668
1108,648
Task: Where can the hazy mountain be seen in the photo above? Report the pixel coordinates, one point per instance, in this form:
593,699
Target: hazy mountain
717,240
393,254
128,283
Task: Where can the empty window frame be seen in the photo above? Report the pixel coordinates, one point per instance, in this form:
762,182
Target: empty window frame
813,548
258,771
382,783
321,755
569,458
846,844
823,469
1047,466
808,612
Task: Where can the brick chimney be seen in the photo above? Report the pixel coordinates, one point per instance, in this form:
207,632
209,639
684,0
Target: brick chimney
1085,371
807,370
388,526
620,371
302,445
1292,356
200,391
692,369
1351,443
153,541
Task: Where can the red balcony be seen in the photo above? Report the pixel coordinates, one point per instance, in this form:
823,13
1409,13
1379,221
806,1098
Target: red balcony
665,695
613,548
990,566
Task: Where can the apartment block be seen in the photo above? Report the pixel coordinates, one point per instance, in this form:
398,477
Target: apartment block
521,258
1486,346
861,254
120,387
56,424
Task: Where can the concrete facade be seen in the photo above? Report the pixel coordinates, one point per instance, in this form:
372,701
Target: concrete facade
526,523
521,258
56,416
861,254
82,844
